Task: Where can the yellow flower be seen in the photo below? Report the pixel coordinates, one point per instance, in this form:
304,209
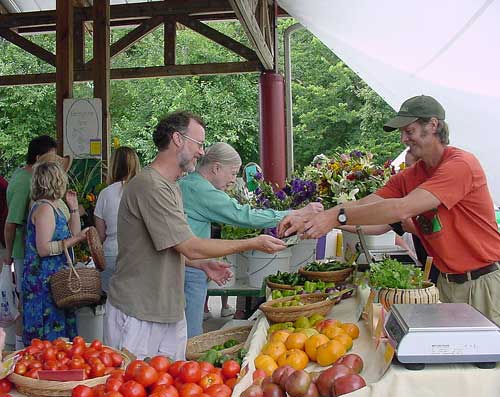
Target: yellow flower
402,166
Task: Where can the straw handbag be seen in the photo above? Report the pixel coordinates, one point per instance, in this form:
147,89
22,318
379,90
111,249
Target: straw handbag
75,287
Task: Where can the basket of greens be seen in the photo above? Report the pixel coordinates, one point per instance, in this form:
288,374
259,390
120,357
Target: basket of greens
285,281
330,270
400,283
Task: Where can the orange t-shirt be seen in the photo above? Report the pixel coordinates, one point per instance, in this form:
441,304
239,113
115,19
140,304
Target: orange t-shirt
462,233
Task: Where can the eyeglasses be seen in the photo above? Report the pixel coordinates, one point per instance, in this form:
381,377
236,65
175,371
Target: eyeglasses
200,144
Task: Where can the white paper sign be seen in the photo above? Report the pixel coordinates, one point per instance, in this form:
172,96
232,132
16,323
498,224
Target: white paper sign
82,120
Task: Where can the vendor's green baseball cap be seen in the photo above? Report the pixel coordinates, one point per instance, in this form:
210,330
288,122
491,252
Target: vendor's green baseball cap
412,109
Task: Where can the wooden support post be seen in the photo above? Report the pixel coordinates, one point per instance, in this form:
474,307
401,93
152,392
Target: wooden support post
169,39
79,42
64,64
101,72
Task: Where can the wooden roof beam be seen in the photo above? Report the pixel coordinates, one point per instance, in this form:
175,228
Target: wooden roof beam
135,35
198,8
203,69
28,46
245,10
218,37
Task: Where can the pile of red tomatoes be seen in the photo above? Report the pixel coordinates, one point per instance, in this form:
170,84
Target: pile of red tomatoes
96,360
160,378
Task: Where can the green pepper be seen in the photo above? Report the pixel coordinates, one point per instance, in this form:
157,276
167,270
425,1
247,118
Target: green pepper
288,292
276,294
242,353
210,356
218,347
320,284
309,286
230,343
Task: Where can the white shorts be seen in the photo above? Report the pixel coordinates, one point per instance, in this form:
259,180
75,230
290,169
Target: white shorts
144,338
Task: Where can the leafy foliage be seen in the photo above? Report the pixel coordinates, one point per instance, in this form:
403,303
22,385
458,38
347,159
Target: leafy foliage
391,273
334,111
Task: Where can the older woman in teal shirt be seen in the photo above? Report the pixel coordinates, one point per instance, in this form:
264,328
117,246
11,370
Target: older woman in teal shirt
205,202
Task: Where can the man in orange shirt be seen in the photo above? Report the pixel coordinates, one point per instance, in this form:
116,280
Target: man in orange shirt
446,196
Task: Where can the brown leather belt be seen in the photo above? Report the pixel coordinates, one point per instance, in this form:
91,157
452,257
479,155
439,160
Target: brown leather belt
473,275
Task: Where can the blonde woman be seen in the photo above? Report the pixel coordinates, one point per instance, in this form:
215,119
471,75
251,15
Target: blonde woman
124,165
47,232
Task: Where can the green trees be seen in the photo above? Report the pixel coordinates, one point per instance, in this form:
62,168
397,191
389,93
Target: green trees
333,109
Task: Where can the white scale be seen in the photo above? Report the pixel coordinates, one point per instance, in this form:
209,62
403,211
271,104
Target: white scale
442,333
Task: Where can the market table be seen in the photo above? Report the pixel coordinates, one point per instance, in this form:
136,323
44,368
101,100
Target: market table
240,289
435,380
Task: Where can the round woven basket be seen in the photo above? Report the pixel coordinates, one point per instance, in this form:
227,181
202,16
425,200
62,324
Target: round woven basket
197,345
49,388
272,285
425,295
75,287
336,276
314,303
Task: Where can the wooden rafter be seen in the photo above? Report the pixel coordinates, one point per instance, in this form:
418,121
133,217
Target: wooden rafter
218,37
28,46
196,8
3,10
245,10
135,35
203,69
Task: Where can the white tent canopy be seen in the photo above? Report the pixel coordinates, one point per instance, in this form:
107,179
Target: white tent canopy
448,49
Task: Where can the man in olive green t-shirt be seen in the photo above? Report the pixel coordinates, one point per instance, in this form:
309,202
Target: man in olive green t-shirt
145,307
18,198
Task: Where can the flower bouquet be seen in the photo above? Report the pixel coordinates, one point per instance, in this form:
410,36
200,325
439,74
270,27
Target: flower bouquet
348,177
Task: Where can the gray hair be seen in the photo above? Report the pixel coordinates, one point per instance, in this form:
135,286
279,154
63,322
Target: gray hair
222,153
442,131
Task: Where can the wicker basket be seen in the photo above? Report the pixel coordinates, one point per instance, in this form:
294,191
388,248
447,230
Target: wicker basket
49,388
314,303
282,287
74,287
336,276
197,345
426,295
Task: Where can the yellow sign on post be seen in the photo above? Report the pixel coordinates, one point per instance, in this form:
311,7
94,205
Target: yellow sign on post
95,147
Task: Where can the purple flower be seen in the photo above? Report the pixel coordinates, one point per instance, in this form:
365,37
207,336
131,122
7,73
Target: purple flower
258,175
281,195
356,153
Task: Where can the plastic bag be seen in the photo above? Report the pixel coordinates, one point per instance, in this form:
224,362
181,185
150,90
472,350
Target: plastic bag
8,298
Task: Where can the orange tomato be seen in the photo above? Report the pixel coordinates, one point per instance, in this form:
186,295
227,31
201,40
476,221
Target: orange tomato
280,335
274,349
313,343
295,358
265,363
351,329
331,331
345,340
296,340
329,352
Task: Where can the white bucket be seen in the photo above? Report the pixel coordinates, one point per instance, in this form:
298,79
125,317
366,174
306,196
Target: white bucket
261,265
303,253
90,324
386,240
